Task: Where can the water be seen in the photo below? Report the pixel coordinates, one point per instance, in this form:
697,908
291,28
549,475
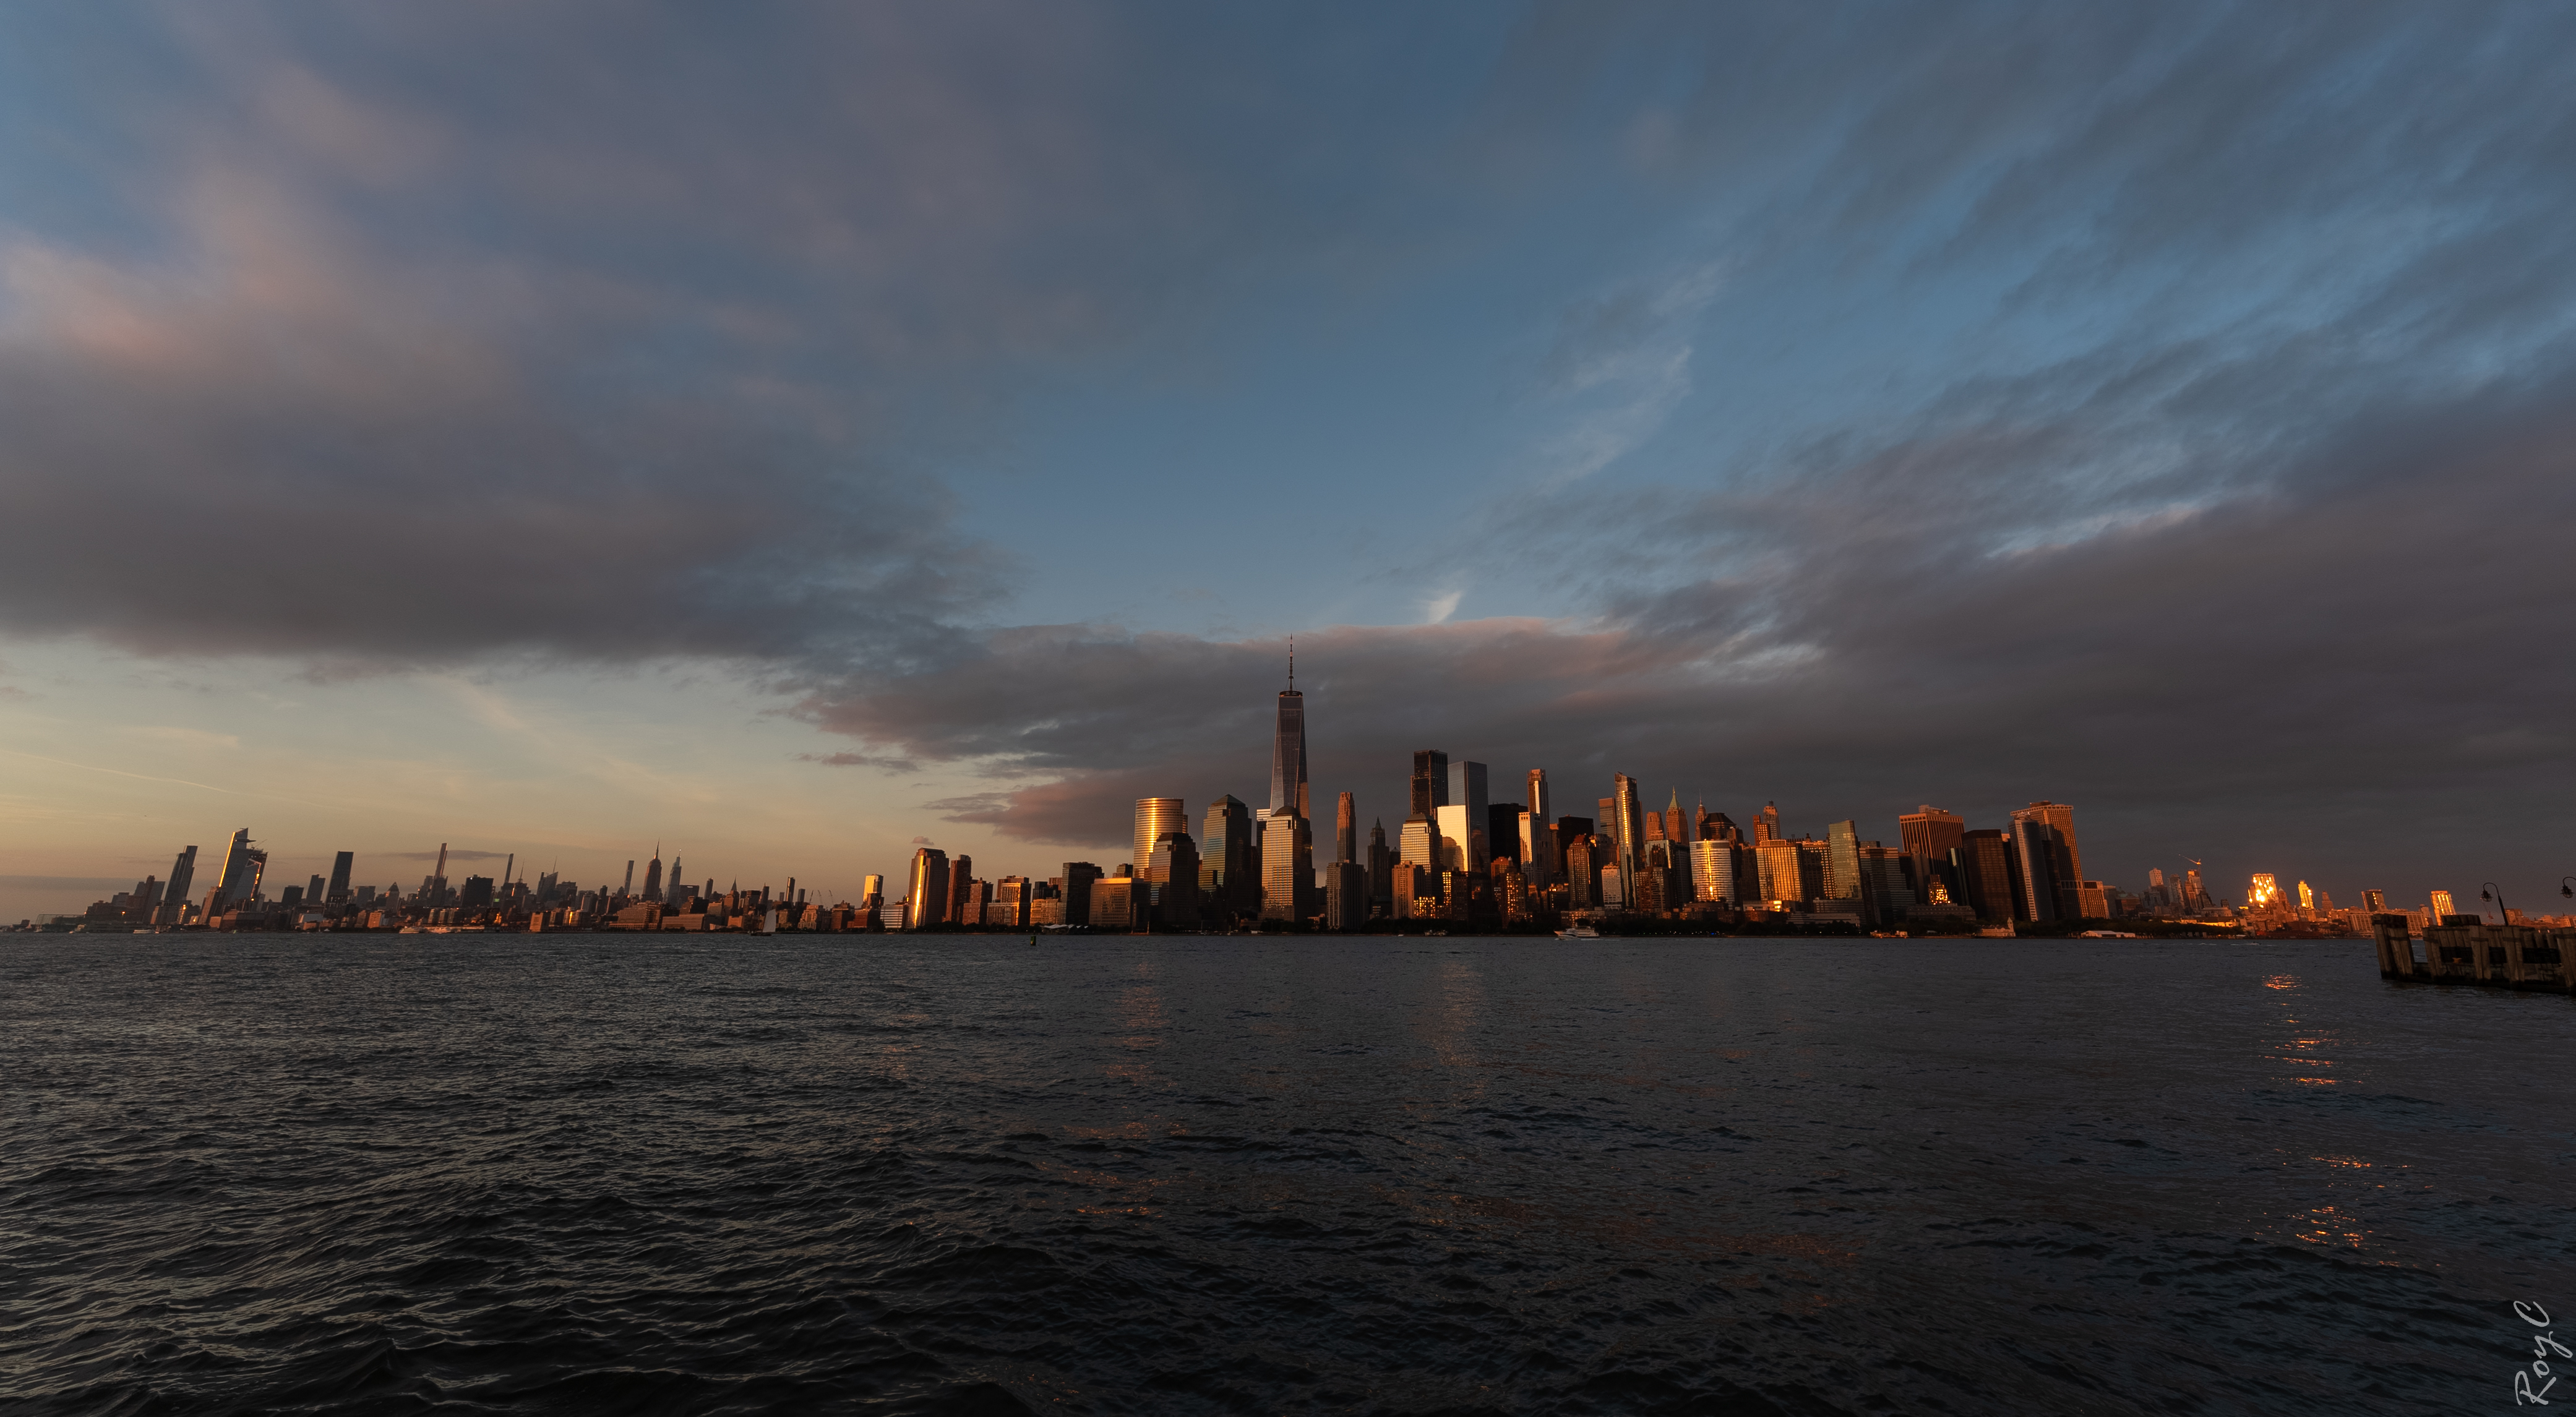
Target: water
720,1174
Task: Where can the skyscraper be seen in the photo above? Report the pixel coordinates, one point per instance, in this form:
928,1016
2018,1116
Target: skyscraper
1287,749
1009,907
1172,881
1430,782
1677,829
1346,831
1883,889
1287,867
1628,828
1456,837
243,866
1929,835
925,900
1228,871
1842,860
1075,884
1777,863
2442,909
1984,866
1537,851
183,875
1930,831
961,889
2047,829
1537,802
1766,823
652,875
1346,899
1418,841
1467,789
1811,866
1713,872
338,890
1156,818
1381,889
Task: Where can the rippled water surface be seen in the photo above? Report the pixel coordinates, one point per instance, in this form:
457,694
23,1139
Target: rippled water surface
574,1174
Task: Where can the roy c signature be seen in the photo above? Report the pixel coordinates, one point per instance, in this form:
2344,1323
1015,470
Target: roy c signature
2531,1384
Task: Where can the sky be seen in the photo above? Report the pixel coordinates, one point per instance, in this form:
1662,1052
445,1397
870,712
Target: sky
784,435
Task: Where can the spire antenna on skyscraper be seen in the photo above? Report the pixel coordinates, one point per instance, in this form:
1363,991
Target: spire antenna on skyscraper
1292,661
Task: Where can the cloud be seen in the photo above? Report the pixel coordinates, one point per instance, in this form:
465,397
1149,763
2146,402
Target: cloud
454,854
195,738
860,760
68,883
1621,363
2270,670
471,359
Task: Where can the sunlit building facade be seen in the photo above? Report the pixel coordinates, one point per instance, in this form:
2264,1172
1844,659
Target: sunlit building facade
1627,824
2042,836
1713,872
926,898
1156,818
1467,791
244,864
1287,868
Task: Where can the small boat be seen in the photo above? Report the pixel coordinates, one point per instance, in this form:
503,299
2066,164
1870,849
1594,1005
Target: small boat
1578,932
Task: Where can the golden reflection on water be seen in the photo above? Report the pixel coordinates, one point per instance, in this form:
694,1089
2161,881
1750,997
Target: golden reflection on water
2325,1226
2299,1051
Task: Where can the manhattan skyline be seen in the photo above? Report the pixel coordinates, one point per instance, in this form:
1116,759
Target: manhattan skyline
801,437
1630,860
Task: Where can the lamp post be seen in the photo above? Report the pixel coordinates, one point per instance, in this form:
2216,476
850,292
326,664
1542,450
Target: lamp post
2498,897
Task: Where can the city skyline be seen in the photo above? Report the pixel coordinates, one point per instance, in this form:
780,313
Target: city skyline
2030,870
806,436
1447,800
